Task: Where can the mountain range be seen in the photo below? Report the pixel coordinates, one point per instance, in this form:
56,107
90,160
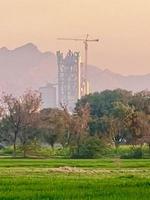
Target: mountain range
27,67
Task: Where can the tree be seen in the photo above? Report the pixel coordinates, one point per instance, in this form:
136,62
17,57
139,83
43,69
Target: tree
117,114
30,107
120,113
91,147
20,114
6,134
53,126
12,114
79,126
102,103
141,101
138,124
68,123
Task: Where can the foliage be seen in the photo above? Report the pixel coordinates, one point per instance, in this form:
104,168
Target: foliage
79,127
53,126
102,103
110,118
135,153
20,114
119,116
92,147
57,152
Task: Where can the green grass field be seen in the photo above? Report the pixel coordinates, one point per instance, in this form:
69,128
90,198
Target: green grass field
59,179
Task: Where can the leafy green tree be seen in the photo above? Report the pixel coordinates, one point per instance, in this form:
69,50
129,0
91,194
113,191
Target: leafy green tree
102,103
141,101
6,135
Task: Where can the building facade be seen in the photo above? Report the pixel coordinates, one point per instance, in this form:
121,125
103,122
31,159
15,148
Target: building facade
69,81
48,94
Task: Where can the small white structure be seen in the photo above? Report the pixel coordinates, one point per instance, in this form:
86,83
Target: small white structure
48,94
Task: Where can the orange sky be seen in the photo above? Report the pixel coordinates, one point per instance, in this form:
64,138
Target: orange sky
123,27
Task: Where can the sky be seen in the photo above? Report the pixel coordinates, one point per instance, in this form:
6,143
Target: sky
123,27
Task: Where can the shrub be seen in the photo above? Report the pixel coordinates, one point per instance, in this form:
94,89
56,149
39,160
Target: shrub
135,153
48,152
92,147
7,151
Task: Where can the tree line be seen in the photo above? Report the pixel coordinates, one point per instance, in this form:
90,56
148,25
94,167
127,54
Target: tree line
100,120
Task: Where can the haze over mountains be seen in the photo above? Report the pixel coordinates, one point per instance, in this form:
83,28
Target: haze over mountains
27,67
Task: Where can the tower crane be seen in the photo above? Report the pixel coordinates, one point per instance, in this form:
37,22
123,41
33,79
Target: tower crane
85,42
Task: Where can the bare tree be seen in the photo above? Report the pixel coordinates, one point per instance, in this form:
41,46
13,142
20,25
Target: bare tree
30,107
20,113
79,125
53,126
12,113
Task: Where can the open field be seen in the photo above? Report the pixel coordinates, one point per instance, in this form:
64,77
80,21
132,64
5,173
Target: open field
60,179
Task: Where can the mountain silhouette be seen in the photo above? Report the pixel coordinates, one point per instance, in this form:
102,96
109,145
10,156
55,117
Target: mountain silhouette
27,67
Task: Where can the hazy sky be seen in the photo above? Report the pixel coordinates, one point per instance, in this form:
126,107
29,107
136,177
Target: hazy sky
123,27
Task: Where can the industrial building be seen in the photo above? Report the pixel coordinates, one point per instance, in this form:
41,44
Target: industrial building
71,80
68,78
48,94
72,74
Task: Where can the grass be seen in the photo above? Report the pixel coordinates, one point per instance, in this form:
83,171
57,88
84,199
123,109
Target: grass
74,187
107,179
83,163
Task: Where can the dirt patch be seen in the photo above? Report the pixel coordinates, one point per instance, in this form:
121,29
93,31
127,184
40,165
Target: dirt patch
105,172
77,170
67,169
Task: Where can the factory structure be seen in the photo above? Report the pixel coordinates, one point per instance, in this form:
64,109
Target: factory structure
72,78
48,95
71,86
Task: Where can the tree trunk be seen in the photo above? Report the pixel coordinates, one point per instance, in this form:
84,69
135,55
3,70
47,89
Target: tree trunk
14,153
15,138
24,153
68,138
149,147
78,145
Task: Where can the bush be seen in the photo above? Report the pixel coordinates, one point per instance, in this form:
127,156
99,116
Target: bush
49,152
136,153
7,151
92,147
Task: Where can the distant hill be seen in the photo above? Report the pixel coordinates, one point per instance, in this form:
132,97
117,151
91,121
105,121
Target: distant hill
28,67
105,79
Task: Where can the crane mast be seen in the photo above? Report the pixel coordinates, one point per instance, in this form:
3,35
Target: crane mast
85,42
